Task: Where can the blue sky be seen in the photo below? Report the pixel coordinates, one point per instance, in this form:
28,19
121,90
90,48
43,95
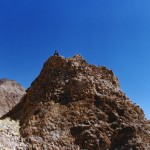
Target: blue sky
112,33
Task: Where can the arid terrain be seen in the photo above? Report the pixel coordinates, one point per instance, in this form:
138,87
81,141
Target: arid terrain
73,105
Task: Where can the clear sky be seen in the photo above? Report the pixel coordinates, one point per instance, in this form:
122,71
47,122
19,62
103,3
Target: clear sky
112,33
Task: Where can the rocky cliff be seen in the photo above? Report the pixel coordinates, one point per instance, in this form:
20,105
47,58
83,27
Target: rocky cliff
73,105
10,94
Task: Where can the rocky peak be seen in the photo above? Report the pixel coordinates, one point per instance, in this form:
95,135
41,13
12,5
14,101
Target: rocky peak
11,86
84,80
76,105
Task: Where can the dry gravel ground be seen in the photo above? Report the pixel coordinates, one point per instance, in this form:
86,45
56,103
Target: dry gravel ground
10,136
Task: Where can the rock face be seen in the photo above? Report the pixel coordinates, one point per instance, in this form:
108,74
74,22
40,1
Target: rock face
73,105
10,94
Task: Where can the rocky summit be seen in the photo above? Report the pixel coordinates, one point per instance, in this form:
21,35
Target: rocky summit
73,105
10,94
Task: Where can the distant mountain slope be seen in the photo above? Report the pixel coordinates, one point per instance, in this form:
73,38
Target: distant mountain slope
10,94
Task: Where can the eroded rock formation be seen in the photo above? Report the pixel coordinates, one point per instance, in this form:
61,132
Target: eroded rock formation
74,105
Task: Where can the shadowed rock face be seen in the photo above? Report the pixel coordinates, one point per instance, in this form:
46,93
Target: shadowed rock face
74,105
10,94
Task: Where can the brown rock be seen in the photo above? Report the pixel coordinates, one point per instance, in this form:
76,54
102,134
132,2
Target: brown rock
74,105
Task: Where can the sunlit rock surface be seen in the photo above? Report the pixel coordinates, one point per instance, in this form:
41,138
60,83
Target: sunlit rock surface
73,105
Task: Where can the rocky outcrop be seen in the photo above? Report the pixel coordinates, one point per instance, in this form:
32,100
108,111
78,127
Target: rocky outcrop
74,105
10,94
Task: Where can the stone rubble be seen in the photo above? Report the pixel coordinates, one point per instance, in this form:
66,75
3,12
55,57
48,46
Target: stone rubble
10,138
